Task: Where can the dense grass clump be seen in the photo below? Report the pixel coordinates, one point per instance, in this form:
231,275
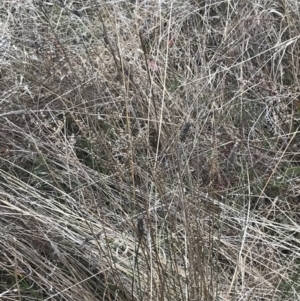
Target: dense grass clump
149,150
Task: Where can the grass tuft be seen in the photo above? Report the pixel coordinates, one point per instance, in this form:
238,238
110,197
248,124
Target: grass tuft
149,150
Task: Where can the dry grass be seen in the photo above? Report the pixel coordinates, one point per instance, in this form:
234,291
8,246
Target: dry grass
149,150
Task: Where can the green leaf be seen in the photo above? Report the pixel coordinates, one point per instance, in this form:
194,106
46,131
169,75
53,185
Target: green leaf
293,171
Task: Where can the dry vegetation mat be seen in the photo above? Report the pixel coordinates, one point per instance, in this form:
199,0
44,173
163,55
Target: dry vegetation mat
149,150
